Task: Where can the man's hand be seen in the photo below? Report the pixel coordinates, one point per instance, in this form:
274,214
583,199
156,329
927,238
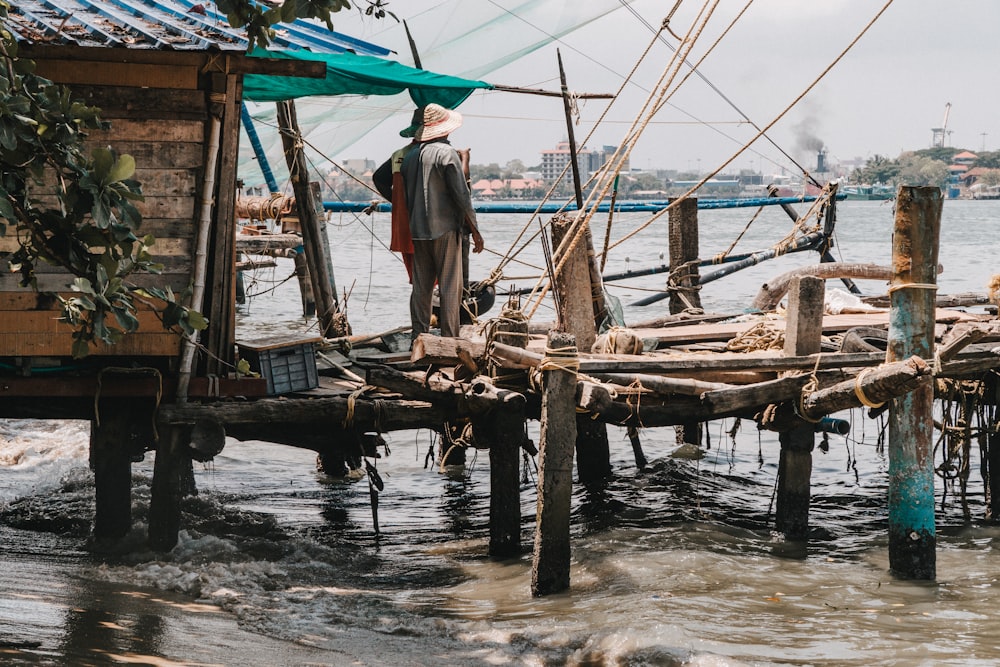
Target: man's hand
477,242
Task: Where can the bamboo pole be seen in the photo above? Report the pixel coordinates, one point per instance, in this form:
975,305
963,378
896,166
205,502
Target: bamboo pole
912,535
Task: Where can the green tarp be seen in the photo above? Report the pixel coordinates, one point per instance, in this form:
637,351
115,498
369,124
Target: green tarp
351,74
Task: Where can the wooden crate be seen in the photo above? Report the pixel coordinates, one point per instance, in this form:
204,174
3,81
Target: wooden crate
287,364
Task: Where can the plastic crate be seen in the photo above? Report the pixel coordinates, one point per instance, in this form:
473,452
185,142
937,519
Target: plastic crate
287,364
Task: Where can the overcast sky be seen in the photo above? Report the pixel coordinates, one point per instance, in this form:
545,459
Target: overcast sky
884,97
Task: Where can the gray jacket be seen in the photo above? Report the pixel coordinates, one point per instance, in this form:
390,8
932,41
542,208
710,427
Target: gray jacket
436,191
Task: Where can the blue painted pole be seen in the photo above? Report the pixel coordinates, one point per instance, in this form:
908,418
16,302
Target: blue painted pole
912,535
258,149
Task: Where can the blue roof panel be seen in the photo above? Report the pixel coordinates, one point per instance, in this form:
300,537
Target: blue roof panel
179,25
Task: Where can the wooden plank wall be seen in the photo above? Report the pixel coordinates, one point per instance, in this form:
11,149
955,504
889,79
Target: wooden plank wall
160,118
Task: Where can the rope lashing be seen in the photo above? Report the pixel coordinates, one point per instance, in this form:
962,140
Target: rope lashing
926,286
352,400
860,392
560,359
798,407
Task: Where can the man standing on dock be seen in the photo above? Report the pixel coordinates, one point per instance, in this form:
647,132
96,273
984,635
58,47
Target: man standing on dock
440,206
388,180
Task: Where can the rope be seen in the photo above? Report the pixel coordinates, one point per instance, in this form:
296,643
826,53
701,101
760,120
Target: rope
860,392
761,336
762,131
352,400
808,388
638,126
634,389
927,286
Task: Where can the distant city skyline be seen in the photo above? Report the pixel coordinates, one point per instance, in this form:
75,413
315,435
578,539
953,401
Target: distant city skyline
884,97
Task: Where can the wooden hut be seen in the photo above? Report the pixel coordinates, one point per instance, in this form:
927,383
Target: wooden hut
171,77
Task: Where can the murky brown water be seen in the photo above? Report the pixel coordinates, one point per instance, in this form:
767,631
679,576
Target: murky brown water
675,565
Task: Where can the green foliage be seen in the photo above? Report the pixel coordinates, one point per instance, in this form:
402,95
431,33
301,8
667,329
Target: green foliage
77,211
989,160
257,19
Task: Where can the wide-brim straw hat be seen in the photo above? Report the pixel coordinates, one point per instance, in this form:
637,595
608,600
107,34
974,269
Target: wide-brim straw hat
415,122
438,122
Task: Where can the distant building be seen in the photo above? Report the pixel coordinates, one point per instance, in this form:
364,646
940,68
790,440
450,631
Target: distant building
554,160
507,188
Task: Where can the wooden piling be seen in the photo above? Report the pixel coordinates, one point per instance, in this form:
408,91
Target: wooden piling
912,535
682,225
172,460
499,425
324,290
550,562
111,462
575,307
803,334
575,310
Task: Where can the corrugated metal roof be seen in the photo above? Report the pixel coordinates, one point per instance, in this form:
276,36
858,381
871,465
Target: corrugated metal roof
182,25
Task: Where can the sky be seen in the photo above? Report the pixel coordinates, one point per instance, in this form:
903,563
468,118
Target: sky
883,97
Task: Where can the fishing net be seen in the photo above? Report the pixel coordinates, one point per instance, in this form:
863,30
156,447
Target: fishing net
468,40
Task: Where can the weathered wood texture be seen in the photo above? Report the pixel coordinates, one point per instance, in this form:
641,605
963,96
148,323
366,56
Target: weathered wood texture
682,228
575,305
389,416
774,290
323,288
912,535
112,466
803,335
551,558
158,113
220,293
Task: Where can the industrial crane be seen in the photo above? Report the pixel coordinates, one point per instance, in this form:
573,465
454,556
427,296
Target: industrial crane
938,134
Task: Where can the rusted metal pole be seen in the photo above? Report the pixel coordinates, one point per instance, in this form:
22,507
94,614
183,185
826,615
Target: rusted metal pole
912,292
550,562
803,333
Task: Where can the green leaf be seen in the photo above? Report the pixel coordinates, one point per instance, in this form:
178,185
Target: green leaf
123,169
80,348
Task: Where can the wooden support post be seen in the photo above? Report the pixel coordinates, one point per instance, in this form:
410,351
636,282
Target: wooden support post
803,333
992,394
683,247
575,311
169,469
912,535
640,457
593,452
683,281
501,428
305,284
550,562
576,316
323,288
111,462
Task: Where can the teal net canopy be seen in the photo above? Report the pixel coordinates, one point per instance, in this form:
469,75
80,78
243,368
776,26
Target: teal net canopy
351,74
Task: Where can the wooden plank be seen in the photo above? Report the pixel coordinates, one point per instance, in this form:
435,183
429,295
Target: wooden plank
164,247
234,62
52,385
119,74
47,321
125,102
220,306
61,281
723,331
184,131
165,344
